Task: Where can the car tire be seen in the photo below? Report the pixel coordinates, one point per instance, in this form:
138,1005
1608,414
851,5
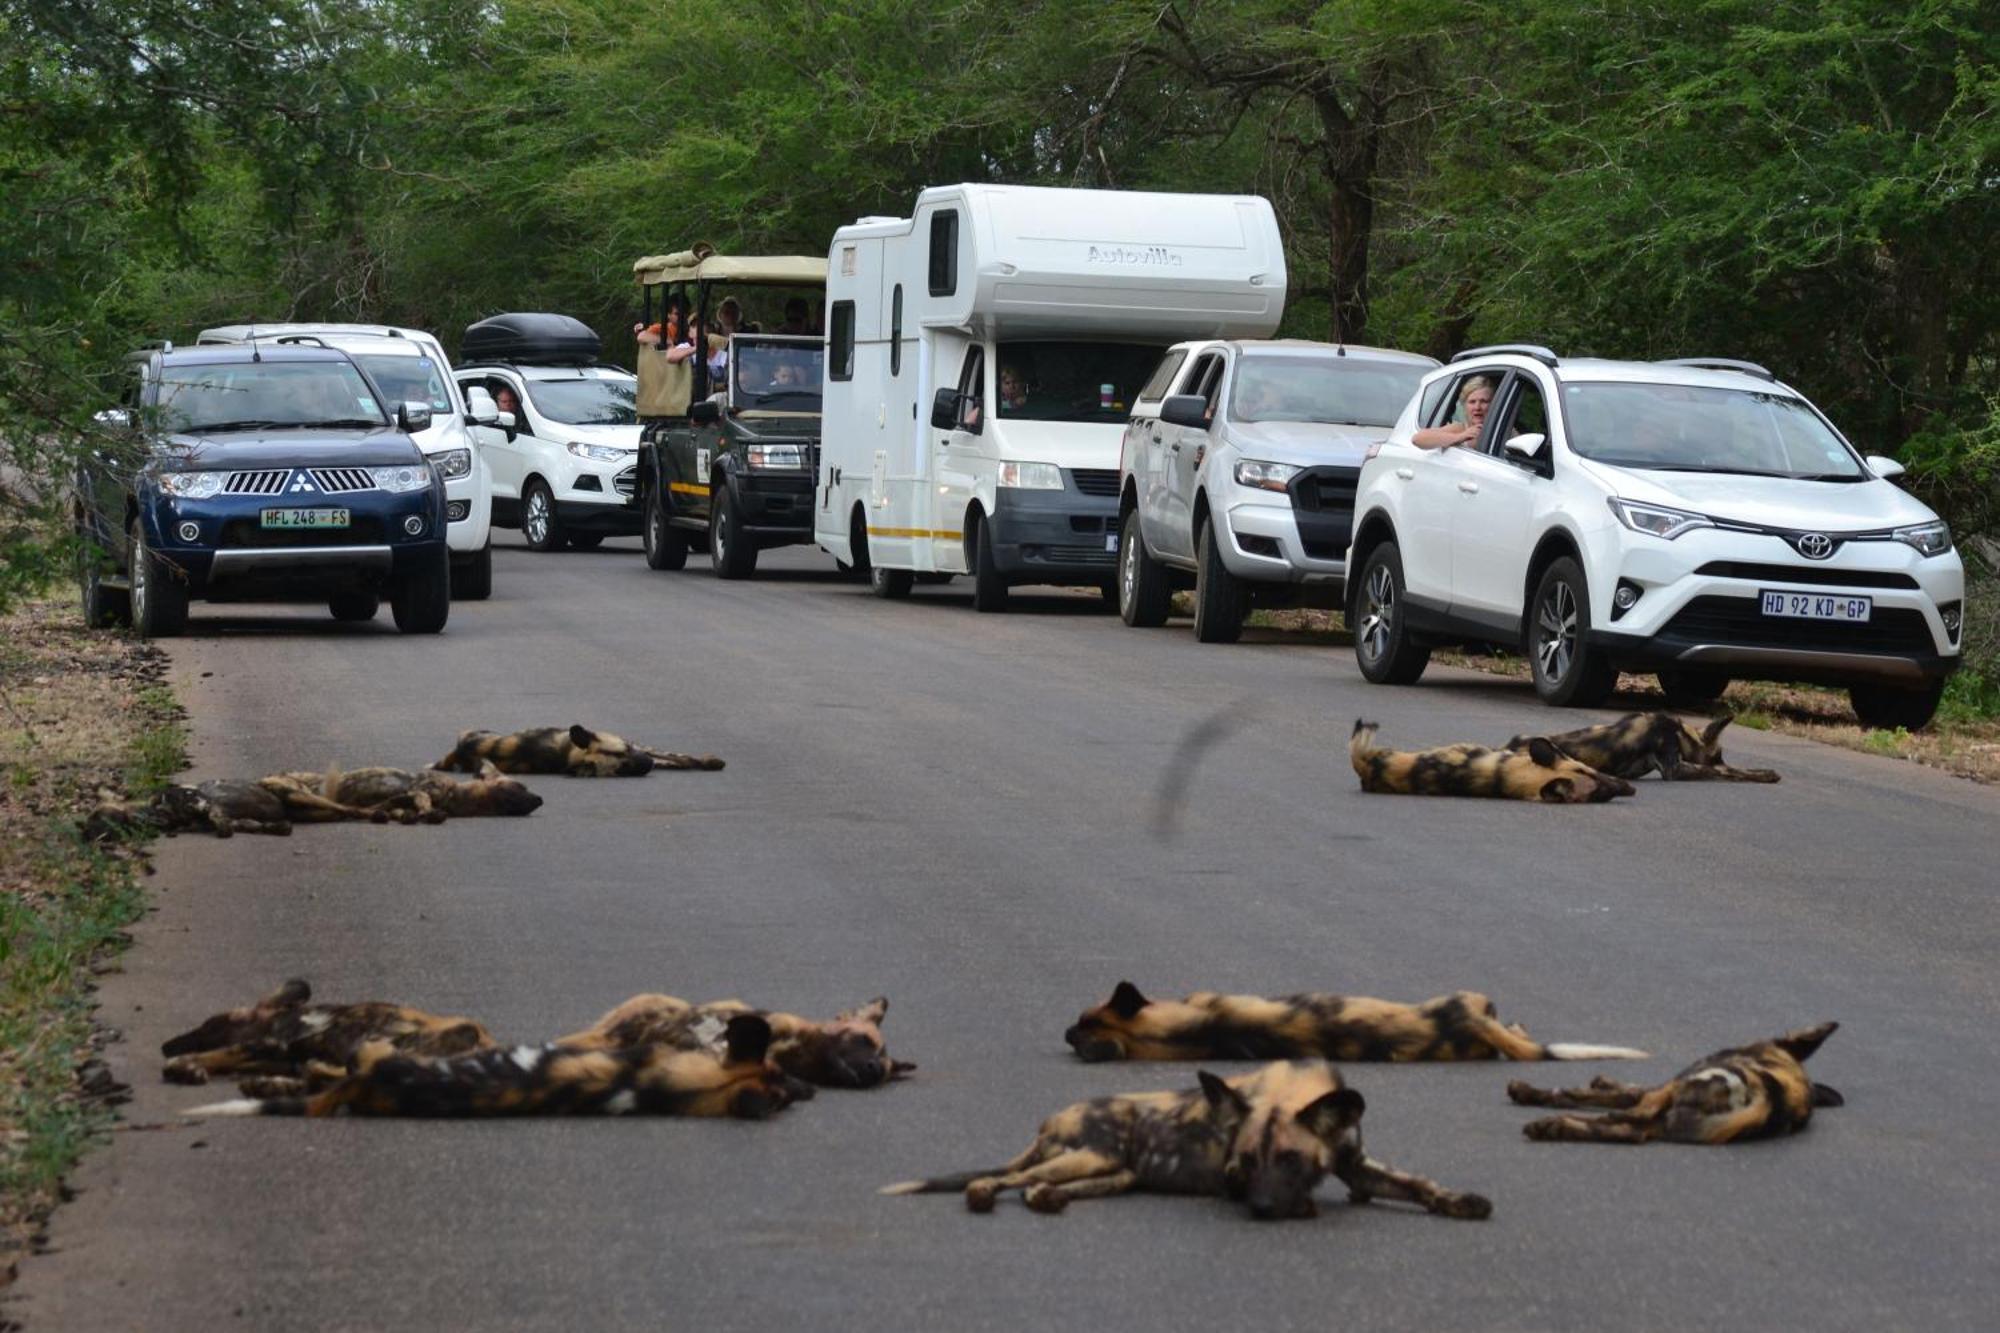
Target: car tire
989,585
159,593
539,523
1886,708
353,605
1384,648
472,580
103,607
666,546
583,541
733,554
421,599
891,584
1569,673
1144,595
1692,688
1219,598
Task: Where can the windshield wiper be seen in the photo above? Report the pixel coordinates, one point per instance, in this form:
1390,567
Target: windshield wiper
346,423
214,427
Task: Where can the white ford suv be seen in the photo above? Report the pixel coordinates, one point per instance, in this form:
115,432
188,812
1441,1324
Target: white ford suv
1693,518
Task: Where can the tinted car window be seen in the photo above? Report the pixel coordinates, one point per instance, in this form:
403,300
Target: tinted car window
1076,381
252,394
1336,390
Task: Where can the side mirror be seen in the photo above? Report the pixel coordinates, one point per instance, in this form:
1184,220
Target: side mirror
1885,468
1526,446
1185,409
705,413
479,408
118,418
413,416
506,421
944,410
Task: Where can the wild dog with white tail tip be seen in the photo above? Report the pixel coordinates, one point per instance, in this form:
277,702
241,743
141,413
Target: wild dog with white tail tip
1642,743
573,751
1266,1139
1749,1092
1464,1025
1538,772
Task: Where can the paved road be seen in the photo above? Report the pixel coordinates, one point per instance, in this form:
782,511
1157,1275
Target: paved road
956,810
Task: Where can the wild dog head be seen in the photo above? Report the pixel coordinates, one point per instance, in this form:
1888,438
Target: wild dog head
235,1027
1293,1118
488,792
847,1052
1702,748
1125,1027
1561,780
602,755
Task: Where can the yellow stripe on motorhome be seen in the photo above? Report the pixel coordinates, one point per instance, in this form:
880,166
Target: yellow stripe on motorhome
686,488
937,533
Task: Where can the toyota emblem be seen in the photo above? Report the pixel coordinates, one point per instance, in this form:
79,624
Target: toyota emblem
1814,545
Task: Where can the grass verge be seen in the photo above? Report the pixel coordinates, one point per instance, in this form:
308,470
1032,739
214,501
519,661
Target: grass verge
80,711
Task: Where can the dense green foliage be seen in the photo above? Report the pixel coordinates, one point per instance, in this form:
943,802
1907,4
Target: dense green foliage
1810,183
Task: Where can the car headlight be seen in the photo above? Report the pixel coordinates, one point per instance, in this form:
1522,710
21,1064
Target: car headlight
1031,476
192,485
1928,538
598,453
398,479
1264,476
775,455
453,463
1656,520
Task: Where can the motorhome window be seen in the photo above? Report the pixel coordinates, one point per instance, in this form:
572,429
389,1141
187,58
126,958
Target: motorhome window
842,338
406,379
587,400
250,395
944,252
777,376
972,388
1073,381
1343,391
1156,387
896,331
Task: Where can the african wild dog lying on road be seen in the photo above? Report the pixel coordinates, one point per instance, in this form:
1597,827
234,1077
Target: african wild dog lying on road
576,752
845,1052
1265,1138
1752,1092
1642,743
1207,1026
300,1045
394,794
223,808
554,1079
1537,772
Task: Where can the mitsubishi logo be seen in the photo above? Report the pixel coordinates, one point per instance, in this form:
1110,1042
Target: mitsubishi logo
1813,545
302,482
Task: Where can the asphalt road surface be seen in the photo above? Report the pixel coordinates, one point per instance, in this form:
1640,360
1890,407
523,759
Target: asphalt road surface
958,811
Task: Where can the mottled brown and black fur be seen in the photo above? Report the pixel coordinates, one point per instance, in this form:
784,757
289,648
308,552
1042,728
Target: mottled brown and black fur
573,751
846,1051
1750,1092
297,1044
385,795
554,1079
1464,1025
1266,1139
223,808
1538,772
1642,743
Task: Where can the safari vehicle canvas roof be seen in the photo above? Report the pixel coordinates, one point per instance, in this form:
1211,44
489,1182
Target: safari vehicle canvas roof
703,266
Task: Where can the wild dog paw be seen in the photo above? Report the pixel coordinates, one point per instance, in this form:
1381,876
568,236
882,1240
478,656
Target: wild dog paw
183,1070
1465,1207
1045,1198
1525,1094
1549,1129
980,1196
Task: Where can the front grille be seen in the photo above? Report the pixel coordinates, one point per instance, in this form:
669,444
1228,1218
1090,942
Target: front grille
1070,555
239,533
1096,480
626,482
1817,575
1320,490
1738,622
1089,523
263,481
343,480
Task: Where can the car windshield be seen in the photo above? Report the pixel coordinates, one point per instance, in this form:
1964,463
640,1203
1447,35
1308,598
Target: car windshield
587,400
1691,428
1071,381
407,379
780,376
266,395
1344,391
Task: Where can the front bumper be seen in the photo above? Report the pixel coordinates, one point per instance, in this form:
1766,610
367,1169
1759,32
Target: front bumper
602,498
232,557
469,509
1061,537
776,507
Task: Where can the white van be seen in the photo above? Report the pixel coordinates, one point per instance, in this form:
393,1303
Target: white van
982,359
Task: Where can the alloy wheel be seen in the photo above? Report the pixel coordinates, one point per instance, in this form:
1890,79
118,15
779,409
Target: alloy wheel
1128,573
1378,612
1555,645
538,517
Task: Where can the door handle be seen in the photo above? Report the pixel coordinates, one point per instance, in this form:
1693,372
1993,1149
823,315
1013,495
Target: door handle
1157,437
1175,446
1406,474
1469,487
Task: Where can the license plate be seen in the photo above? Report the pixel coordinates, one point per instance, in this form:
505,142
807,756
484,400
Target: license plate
305,518
1111,542
1817,606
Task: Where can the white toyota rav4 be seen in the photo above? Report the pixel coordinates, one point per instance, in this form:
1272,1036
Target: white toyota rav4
1693,518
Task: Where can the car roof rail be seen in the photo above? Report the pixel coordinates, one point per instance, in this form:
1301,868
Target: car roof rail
303,339
1721,363
1541,354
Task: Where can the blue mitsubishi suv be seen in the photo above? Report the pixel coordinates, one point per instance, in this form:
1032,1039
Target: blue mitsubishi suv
259,473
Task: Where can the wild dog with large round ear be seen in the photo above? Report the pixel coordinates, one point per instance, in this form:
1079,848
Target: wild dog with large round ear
1540,772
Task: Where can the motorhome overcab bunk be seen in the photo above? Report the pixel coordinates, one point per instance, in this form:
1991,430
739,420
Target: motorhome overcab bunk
982,359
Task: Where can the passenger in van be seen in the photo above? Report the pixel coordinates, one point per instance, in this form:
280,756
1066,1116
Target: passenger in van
796,321
670,333
1475,396
1013,389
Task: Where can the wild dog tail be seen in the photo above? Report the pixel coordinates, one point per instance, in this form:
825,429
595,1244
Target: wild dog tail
943,1184
1577,1050
706,763
242,1106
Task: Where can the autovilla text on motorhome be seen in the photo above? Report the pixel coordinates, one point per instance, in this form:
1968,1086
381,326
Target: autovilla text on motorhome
1125,254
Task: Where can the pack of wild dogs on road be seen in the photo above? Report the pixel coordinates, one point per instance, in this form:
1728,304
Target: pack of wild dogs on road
1267,1138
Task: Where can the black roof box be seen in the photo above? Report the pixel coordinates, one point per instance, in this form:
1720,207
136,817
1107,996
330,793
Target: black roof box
531,339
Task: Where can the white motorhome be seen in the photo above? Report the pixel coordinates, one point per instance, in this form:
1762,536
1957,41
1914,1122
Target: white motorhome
982,359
